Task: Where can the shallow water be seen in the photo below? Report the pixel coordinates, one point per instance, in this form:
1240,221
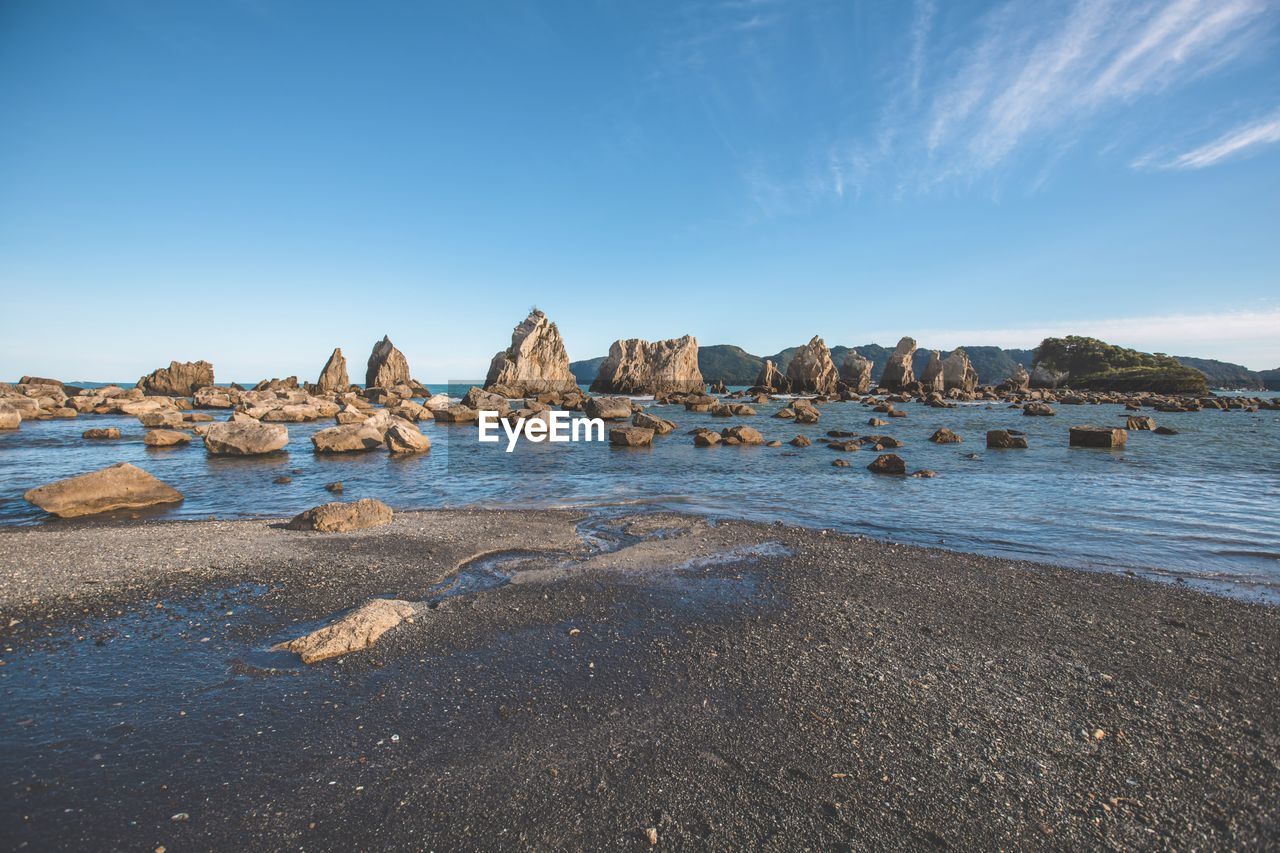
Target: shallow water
1201,507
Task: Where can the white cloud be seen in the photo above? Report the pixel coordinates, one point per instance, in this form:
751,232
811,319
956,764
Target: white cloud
1264,132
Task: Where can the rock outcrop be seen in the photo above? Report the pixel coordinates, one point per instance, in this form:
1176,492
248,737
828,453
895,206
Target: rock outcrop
959,373
855,372
535,363
931,380
771,379
179,379
898,371
333,378
358,630
811,370
1019,380
245,438
10,418
341,517
387,366
634,366
120,486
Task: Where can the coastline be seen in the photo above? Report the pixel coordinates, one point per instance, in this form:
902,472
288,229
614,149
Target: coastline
729,683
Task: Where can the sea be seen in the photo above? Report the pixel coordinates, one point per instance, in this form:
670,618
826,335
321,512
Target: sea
1201,507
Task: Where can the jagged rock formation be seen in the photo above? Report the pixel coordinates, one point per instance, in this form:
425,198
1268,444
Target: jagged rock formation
771,379
333,379
856,372
1019,380
535,363
811,370
179,379
898,370
387,366
931,380
634,366
958,372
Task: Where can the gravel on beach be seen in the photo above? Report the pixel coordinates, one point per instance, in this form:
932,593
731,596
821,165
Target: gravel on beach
698,685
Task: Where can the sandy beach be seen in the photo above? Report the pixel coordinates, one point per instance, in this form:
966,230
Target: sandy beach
641,677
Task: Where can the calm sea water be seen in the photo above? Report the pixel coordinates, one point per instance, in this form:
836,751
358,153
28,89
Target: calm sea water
1201,507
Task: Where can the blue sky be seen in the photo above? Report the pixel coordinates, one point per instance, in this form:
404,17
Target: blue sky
257,182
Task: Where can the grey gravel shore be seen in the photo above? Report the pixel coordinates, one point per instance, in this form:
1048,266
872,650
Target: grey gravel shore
640,678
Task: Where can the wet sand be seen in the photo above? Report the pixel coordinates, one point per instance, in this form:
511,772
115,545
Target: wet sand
720,686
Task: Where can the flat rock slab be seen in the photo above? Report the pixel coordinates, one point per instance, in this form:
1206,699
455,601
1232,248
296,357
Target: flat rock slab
339,517
245,438
121,486
358,630
1091,436
165,438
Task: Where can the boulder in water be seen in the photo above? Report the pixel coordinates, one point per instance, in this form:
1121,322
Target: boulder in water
120,486
347,438
1092,436
888,463
1006,439
245,438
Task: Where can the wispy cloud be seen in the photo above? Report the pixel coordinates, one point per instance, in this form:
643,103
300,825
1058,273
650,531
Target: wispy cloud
970,99
1030,77
1230,144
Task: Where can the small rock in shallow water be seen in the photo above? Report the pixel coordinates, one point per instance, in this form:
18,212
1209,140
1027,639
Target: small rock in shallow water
888,463
358,630
334,487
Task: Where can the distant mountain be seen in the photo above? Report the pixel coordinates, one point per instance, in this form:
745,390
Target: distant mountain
585,371
1224,374
729,364
1270,378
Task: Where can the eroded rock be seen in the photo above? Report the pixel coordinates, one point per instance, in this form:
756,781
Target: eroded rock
535,363
635,366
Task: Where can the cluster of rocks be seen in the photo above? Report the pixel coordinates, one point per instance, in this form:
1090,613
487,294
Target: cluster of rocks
528,380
